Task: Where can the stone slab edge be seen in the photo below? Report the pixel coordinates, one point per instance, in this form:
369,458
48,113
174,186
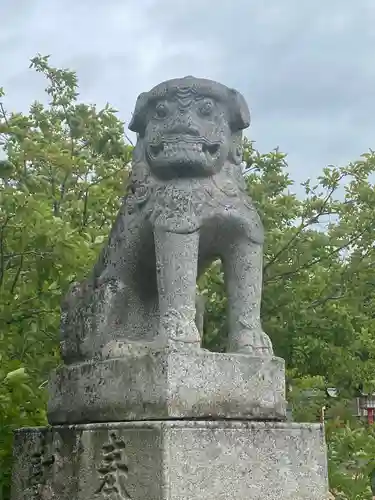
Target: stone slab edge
169,385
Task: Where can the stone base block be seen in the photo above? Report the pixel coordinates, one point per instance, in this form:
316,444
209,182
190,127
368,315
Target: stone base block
162,384
172,460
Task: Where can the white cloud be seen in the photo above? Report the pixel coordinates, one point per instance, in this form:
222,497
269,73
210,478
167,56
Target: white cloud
306,68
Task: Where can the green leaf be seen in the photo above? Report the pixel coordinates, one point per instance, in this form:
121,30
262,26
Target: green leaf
16,375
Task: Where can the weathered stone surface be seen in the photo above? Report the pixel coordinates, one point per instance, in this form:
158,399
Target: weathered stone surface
187,205
201,460
131,335
141,384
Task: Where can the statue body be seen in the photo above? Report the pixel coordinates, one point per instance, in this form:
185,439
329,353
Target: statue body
187,206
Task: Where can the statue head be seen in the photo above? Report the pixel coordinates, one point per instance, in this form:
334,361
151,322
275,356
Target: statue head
189,127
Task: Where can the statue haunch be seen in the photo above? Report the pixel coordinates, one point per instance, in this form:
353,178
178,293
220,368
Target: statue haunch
187,206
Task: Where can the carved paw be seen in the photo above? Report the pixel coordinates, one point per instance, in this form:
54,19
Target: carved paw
254,342
178,327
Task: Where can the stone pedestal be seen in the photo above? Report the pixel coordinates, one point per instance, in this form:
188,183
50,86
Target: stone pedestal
170,425
147,383
174,460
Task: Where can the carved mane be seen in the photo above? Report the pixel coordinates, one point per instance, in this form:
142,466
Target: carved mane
144,186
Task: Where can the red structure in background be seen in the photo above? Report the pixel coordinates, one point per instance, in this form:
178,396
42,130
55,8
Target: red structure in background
370,416
367,406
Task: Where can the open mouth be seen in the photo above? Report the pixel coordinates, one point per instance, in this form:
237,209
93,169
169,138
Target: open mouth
173,148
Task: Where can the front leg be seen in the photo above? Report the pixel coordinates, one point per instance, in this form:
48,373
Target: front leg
243,278
176,268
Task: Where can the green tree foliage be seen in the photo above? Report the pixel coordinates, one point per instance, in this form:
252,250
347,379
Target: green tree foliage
62,176
351,459
318,296
61,182
318,269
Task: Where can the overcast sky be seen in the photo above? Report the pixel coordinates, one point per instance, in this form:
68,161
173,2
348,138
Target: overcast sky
306,67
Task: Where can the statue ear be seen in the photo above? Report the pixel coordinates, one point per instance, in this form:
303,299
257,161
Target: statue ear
239,111
236,149
138,121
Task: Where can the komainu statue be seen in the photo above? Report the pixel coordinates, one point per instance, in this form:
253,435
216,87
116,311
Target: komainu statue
187,206
138,410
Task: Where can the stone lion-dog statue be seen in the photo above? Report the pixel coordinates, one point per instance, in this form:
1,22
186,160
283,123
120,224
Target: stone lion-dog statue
187,206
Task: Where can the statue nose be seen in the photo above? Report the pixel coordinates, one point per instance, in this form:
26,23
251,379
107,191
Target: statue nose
184,125
182,128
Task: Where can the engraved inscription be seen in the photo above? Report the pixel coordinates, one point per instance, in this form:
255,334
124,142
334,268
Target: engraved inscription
113,470
40,461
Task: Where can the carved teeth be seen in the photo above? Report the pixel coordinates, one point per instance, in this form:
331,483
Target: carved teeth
172,148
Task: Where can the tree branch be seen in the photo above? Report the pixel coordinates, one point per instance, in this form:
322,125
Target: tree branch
4,114
2,249
303,226
128,139
14,284
63,188
324,300
30,314
286,246
318,259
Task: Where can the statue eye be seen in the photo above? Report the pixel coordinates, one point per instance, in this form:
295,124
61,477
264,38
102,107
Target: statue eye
161,110
206,108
